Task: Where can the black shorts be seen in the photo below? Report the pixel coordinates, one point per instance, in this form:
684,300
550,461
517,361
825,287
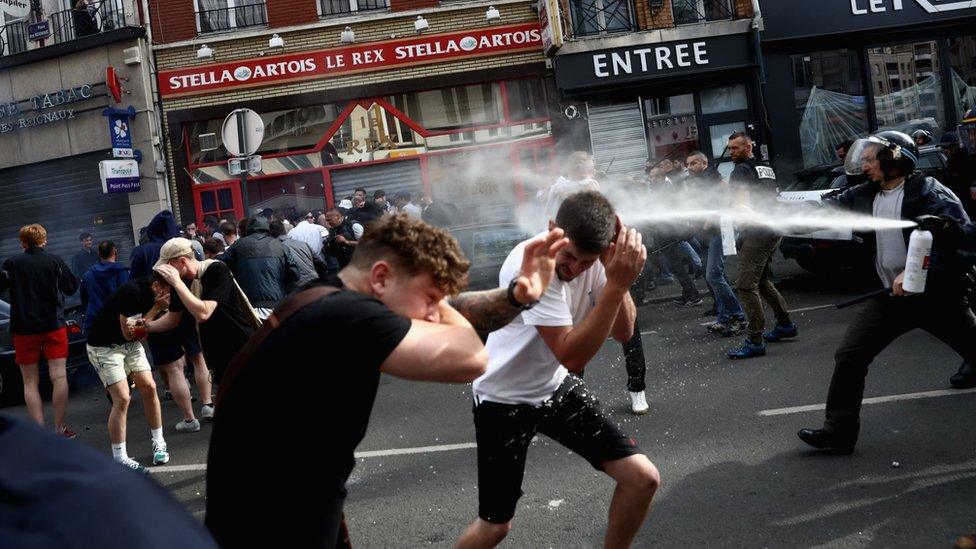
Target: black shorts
572,417
168,347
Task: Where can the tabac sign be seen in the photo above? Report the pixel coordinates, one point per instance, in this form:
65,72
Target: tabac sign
418,50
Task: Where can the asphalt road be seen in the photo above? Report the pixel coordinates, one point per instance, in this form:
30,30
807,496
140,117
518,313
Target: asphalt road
731,476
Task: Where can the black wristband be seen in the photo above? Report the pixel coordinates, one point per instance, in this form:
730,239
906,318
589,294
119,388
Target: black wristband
514,302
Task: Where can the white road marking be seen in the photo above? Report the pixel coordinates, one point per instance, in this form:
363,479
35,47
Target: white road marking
814,308
873,400
648,332
418,450
372,453
800,310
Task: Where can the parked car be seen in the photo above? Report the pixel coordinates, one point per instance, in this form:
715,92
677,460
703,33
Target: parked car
80,373
487,246
838,250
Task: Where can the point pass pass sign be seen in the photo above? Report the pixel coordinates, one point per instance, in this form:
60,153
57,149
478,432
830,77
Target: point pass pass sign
419,50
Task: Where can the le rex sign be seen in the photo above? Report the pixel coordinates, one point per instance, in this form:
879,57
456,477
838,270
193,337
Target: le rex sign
358,58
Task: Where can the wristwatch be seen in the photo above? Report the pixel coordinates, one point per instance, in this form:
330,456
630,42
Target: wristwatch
514,302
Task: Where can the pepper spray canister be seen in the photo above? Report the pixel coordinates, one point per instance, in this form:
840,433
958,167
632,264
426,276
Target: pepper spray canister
917,261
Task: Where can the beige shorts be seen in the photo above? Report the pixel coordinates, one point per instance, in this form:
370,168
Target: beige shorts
116,362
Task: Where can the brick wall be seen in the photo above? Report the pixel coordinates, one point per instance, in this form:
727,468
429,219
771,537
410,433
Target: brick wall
653,15
172,20
404,5
283,13
743,8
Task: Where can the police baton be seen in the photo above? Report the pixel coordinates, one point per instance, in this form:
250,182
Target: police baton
863,298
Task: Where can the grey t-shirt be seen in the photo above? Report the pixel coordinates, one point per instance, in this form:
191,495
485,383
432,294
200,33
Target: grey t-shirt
891,249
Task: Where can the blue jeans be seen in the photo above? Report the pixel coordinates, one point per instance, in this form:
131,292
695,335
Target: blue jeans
726,303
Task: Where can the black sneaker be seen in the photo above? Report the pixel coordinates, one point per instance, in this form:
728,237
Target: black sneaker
693,302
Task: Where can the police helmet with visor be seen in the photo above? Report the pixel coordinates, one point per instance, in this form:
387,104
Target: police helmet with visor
895,151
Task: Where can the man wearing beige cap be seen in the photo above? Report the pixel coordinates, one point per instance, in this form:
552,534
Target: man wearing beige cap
207,290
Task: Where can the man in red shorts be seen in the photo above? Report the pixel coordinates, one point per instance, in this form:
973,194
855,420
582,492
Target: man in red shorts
38,282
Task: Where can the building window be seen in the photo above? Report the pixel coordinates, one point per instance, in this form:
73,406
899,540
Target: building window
218,203
594,17
829,101
451,108
526,99
13,36
700,11
962,58
724,99
224,15
916,106
284,131
672,130
338,7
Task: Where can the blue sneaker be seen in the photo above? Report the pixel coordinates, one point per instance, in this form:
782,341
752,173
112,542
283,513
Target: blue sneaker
748,350
780,332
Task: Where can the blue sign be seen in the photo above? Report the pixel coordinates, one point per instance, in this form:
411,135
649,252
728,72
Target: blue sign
39,30
120,130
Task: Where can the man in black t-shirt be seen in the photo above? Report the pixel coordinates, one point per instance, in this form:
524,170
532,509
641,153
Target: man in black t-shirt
115,352
754,184
225,317
389,305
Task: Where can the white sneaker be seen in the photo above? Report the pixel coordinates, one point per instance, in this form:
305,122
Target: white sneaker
190,427
638,403
207,411
132,464
160,454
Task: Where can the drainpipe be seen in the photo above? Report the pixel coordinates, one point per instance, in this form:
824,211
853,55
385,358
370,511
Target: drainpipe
757,26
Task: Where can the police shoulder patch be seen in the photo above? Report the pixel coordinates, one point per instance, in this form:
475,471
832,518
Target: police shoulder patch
765,172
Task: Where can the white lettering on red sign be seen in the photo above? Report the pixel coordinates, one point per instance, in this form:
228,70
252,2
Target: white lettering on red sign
322,64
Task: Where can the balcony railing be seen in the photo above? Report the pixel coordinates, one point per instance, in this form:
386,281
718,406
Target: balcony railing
84,21
13,38
232,17
700,11
596,17
339,7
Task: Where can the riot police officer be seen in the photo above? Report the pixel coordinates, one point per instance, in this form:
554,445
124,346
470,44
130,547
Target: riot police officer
895,190
754,185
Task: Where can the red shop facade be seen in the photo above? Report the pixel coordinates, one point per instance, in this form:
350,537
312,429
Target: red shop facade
480,139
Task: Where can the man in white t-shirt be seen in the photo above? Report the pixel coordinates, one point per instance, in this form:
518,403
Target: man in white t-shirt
530,388
310,233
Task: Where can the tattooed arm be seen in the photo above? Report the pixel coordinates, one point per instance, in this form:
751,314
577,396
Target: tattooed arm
491,310
487,311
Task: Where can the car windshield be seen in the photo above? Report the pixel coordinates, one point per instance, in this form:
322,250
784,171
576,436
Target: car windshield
930,160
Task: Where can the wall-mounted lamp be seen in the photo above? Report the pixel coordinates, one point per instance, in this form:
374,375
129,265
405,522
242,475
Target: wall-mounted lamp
347,36
420,25
276,42
492,15
205,52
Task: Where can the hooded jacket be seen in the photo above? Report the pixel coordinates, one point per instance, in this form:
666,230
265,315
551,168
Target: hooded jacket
98,283
950,269
261,266
162,228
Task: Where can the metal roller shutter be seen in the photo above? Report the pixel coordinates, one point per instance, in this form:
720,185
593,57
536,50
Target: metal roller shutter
65,196
617,137
392,177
